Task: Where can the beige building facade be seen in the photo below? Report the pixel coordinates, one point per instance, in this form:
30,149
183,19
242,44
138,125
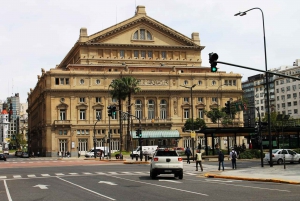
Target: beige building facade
66,100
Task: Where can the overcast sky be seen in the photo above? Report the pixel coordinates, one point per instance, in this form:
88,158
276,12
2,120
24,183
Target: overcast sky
37,34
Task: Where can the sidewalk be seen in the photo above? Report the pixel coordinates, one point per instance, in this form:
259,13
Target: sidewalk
276,174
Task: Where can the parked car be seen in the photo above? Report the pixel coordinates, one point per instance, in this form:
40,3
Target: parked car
18,153
25,155
278,156
2,157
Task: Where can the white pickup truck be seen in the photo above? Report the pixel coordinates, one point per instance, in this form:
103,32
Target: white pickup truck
166,161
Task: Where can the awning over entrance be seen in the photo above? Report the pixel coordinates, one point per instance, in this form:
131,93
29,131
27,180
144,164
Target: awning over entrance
157,134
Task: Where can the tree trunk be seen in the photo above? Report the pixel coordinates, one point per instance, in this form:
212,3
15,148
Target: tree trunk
128,124
121,147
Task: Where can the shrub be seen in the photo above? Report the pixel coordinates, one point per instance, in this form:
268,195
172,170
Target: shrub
250,153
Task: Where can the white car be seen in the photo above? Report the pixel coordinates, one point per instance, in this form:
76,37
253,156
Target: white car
166,161
278,155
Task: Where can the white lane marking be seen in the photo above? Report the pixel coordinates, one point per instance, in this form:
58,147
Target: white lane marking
87,173
113,173
215,180
108,182
99,172
178,189
3,177
45,175
16,176
86,189
7,191
73,173
139,173
188,173
41,186
31,175
59,174
170,181
125,172
238,185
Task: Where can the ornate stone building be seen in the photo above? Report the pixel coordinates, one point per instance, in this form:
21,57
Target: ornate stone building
66,100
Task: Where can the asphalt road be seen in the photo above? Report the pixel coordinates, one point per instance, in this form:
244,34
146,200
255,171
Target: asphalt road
107,181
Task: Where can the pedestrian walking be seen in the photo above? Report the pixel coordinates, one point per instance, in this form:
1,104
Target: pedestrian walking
188,153
68,154
221,159
199,160
233,156
101,152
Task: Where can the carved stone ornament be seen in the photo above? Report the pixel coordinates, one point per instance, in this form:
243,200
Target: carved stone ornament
154,82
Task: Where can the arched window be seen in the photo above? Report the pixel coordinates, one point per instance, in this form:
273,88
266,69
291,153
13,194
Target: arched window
142,34
138,109
163,109
151,109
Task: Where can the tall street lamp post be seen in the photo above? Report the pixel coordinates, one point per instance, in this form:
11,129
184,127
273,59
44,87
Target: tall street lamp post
192,112
98,118
267,80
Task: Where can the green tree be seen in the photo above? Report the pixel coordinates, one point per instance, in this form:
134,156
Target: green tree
215,114
198,124
130,87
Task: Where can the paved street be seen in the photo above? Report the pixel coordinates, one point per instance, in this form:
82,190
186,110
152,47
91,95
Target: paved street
98,180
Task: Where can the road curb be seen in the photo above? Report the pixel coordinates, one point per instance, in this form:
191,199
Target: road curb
136,162
209,175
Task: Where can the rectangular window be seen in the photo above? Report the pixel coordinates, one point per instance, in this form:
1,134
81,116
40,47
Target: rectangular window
98,114
60,132
138,113
62,115
163,114
150,54
278,106
283,97
200,113
98,99
65,132
67,81
261,101
283,105
289,104
87,132
294,87
56,81
295,103
143,54
288,88
214,99
186,114
62,80
294,95
288,96
277,98
81,99
78,132
163,55
122,53
295,111
277,90
185,99
234,82
136,53
200,99
82,114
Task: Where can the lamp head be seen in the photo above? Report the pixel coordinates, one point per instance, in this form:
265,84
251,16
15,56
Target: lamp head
243,13
240,14
237,14
194,85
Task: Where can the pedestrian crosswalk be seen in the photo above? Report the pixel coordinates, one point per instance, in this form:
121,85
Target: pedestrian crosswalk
78,174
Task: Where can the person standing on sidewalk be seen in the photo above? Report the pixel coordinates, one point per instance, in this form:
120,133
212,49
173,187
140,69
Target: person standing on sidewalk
188,153
199,160
233,156
221,159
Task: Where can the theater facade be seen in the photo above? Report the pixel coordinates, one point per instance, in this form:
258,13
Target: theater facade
64,105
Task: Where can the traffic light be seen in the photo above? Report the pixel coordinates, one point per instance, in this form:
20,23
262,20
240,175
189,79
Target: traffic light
109,111
113,110
264,126
227,107
213,57
139,133
256,128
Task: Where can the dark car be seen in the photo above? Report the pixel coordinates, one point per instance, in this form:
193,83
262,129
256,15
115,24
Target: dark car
18,153
25,155
2,157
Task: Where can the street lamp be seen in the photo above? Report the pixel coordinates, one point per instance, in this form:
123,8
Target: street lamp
192,110
98,118
267,80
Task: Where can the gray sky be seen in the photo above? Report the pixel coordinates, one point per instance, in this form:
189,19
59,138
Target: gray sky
37,34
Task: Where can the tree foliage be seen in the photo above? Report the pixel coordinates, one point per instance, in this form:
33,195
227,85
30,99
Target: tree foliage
198,124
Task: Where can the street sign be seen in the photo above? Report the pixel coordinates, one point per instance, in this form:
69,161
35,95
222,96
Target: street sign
193,134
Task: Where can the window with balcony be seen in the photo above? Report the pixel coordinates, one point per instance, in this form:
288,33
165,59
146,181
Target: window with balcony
163,55
150,54
201,113
138,108
136,53
122,53
163,109
151,109
62,114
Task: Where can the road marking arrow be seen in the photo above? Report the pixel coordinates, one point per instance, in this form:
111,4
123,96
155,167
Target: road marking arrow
170,181
41,186
108,182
